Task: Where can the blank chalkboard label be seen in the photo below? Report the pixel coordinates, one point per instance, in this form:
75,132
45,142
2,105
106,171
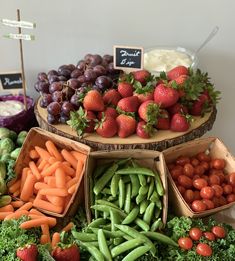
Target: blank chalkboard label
126,57
11,81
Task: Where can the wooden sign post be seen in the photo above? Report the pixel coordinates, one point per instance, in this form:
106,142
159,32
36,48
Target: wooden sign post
128,58
20,24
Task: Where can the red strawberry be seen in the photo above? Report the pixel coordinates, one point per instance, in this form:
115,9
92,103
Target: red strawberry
125,89
27,253
199,106
147,96
179,80
179,123
112,96
141,76
128,104
148,111
177,108
176,72
109,111
126,125
144,130
163,121
165,96
107,127
90,121
93,101
68,253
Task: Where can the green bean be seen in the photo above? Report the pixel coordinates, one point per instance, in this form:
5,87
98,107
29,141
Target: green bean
114,185
84,236
143,190
97,222
136,253
93,251
105,208
151,188
160,237
100,169
106,203
104,179
115,219
149,213
131,216
135,170
103,246
109,234
121,196
135,185
157,224
142,224
127,245
158,184
139,199
142,180
143,205
127,205
135,234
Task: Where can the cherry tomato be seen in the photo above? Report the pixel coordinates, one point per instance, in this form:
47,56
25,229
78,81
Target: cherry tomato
176,172
218,163
230,198
205,165
189,196
222,201
199,170
185,181
197,195
185,243
205,177
218,231
231,178
209,203
188,170
203,249
181,189
214,179
182,160
216,202
195,162
218,190
221,176
195,233
209,236
198,206
228,189
196,177
207,192
170,166
202,156
199,183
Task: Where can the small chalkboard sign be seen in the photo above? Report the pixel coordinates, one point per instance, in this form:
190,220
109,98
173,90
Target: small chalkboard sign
126,57
11,81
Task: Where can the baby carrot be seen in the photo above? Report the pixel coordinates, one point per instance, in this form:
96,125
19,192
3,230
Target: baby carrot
52,182
16,193
39,203
27,206
72,189
36,212
42,165
79,168
7,208
45,230
41,185
31,199
50,170
16,214
79,155
4,214
17,203
69,157
15,186
27,190
54,192
46,166
42,153
69,171
44,239
57,201
23,177
53,150
68,227
60,178
33,154
34,170
39,161
52,160
55,239
38,222
72,182
66,163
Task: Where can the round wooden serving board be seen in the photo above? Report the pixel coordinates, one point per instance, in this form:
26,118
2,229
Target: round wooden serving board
161,140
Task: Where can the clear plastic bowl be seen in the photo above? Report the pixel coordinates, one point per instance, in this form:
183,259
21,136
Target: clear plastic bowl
162,58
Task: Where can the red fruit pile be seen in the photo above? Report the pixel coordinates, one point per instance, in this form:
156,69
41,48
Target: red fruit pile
203,181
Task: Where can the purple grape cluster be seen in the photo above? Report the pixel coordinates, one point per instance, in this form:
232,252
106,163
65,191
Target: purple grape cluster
61,89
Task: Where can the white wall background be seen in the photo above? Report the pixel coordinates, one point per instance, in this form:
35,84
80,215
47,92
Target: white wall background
68,29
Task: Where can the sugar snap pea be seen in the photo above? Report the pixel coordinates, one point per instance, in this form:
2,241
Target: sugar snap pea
114,185
139,198
160,237
122,161
84,236
135,170
117,241
103,246
143,190
97,222
115,219
143,205
157,212
106,203
136,253
156,224
149,213
108,233
142,180
126,246
121,196
126,178
100,169
131,216
151,188
95,252
135,185
142,224
158,183
105,191
155,198
105,208
104,179
127,204
135,234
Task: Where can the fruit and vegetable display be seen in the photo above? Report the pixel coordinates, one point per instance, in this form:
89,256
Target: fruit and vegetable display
91,98
203,181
